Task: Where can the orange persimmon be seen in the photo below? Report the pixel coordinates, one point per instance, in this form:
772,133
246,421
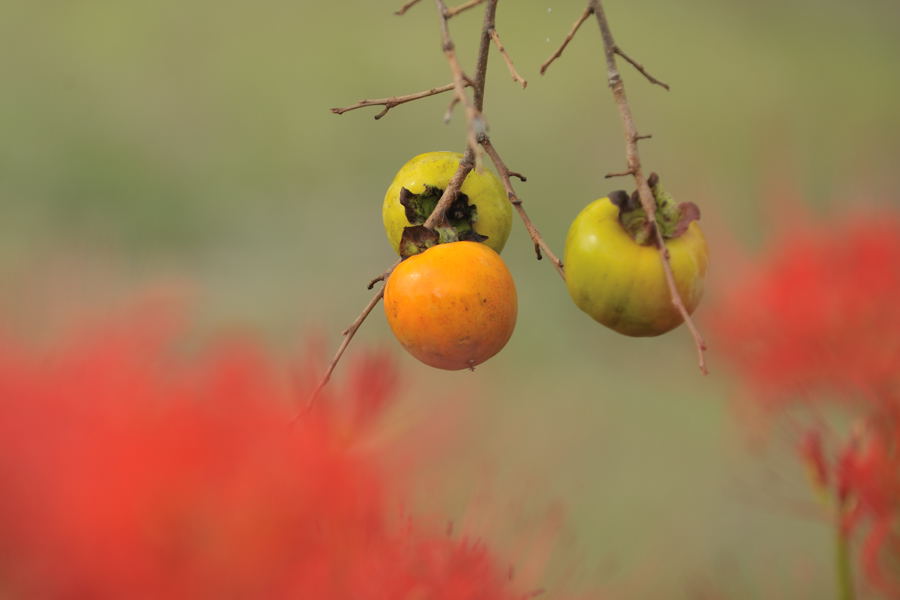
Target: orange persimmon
453,306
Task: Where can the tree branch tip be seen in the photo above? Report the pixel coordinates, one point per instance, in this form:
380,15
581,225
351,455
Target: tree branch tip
402,10
518,176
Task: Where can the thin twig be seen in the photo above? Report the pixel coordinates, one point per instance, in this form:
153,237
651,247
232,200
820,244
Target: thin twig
505,174
640,68
619,174
406,7
484,139
587,12
389,103
509,64
474,122
634,165
382,277
452,12
348,335
448,114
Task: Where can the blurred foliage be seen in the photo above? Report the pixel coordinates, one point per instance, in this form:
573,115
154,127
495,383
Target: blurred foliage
194,138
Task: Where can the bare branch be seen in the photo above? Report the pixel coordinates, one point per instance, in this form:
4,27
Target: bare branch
389,103
474,122
406,7
484,50
348,335
452,12
587,12
634,165
640,68
619,174
505,174
512,69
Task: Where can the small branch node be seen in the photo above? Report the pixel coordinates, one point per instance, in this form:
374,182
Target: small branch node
638,138
383,276
619,174
518,176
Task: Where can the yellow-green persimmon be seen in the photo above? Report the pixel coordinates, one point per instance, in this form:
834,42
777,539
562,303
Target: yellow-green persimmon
621,283
482,211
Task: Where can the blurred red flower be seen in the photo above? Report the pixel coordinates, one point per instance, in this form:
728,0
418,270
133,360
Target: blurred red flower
130,468
819,315
817,319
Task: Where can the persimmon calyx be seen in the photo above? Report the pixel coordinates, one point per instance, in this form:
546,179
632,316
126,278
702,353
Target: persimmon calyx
457,225
672,218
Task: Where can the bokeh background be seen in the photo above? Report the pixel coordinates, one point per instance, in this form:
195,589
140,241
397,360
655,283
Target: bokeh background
189,146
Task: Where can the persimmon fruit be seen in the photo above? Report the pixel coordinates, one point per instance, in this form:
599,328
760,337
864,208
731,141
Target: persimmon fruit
616,276
452,306
481,211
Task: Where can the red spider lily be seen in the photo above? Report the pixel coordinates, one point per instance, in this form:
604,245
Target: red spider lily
819,315
818,319
128,469
868,486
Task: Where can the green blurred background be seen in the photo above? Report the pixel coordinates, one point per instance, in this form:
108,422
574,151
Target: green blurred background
191,142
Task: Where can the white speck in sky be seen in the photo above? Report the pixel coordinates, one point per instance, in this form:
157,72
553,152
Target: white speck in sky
549,10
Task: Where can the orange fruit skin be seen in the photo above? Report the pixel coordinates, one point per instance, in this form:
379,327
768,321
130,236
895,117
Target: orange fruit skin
453,306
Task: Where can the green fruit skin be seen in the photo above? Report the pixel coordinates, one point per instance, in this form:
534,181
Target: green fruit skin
620,283
435,169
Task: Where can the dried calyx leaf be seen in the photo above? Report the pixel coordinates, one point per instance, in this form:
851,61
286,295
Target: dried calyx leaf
416,239
459,221
672,218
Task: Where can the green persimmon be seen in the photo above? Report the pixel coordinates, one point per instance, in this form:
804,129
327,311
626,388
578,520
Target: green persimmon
482,211
619,281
